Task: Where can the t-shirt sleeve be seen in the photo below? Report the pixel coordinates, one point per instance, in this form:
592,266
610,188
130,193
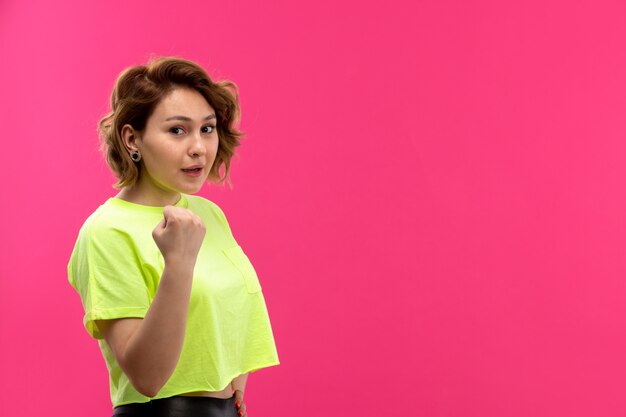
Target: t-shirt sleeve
106,271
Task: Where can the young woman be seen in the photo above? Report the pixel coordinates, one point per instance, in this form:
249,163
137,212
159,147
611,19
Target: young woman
173,301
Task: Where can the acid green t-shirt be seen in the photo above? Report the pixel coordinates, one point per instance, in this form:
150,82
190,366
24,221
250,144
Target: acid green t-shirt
116,267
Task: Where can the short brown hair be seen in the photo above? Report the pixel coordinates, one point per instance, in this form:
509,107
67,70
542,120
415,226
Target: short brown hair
137,92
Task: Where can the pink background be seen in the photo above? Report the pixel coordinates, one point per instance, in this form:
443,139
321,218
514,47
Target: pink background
431,192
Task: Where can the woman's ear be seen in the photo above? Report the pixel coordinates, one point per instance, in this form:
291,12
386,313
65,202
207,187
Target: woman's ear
129,137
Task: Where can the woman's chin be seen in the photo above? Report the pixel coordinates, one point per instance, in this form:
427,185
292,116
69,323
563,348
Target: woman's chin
191,189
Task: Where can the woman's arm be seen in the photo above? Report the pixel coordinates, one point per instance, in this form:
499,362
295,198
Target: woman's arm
148,349
239,383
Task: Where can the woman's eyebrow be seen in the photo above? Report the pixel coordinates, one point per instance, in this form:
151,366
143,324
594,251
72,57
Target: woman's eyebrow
188,119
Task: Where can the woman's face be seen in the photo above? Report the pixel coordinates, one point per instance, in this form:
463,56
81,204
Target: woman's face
180,134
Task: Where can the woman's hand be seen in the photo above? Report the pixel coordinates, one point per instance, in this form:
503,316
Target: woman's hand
179,235
241,406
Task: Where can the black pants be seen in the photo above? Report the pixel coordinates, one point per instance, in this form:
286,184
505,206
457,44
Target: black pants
179,406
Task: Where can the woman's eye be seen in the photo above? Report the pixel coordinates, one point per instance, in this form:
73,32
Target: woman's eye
175,129
211,128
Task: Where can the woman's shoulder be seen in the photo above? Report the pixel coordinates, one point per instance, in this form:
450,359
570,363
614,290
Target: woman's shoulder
202,203
106,221
97,230
97,219
207,209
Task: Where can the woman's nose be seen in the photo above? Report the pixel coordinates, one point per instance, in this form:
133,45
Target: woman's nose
197,146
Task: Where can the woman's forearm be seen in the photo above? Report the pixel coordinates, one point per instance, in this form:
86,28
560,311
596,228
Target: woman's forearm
152,353
239,383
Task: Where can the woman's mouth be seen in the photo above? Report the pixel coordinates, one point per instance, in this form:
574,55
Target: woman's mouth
193,172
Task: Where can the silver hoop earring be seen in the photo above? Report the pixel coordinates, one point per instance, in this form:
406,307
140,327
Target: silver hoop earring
135,156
